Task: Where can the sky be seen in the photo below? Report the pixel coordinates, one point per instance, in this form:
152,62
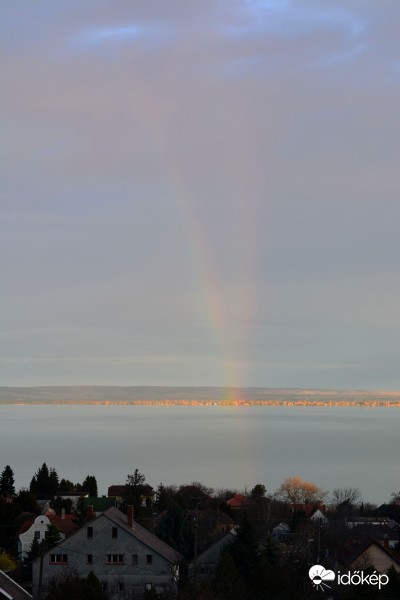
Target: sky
200,193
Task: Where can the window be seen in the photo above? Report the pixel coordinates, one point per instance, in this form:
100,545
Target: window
148,586
104,586
120,587
58,559
149,559
115,559
114,532
89,559
134,559
89,532
37,535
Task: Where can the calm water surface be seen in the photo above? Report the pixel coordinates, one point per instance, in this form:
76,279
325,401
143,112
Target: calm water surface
219,446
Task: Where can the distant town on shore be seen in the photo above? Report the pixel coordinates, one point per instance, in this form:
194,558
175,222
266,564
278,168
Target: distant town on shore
196,396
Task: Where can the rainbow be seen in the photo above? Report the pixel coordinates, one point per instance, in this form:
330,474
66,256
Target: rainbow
155,121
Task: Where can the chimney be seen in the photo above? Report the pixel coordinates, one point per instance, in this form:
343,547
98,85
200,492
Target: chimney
89,512
130,515
63,513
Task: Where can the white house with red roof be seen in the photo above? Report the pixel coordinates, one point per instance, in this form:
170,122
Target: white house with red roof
36,529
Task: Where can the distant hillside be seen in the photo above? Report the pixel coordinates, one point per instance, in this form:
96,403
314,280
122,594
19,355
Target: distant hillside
189,395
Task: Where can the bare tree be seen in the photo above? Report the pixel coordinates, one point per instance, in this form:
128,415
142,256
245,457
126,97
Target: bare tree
395,498
346,495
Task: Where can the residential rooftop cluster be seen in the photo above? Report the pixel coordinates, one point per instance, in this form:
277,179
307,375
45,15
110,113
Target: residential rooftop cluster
61,540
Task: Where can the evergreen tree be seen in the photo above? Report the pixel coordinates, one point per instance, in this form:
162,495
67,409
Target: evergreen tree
26,502
53,482
52,535
66,486
175,530
33,553
45,482
134,485
90,486
7,482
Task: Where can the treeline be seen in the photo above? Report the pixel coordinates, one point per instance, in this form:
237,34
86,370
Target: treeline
46,482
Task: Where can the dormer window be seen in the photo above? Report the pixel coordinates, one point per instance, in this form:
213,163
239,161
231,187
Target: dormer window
114,533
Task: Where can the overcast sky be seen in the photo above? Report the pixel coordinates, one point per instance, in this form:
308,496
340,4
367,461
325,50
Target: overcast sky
200,192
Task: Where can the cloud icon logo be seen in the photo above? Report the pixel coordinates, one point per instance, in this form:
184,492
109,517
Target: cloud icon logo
319,576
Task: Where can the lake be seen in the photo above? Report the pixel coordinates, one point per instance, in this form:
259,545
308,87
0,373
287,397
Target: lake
220,446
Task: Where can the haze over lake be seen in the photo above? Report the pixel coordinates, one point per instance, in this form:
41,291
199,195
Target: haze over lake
221,446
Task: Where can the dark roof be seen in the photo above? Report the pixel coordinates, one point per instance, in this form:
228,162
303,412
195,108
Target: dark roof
137,531
308,507
143,535
123,490
388,510
213,516
213,553
99,504
10,587
377,532
117,490
193,490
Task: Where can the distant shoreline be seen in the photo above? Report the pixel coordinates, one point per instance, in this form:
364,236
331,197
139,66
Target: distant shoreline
224,403
194,396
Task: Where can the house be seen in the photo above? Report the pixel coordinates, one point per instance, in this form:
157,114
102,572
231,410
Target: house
98,505
10,590
213,520
390,511
386,535
357,521
280,531
370,552
119,492
317,516
239,502
125,556
73,496
205,567
36,529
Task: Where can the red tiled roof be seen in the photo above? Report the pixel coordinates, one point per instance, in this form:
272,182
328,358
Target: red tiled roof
238,501
66,525
25,526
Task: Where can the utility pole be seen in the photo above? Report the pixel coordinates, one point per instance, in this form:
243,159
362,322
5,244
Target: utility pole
196,523
39,597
